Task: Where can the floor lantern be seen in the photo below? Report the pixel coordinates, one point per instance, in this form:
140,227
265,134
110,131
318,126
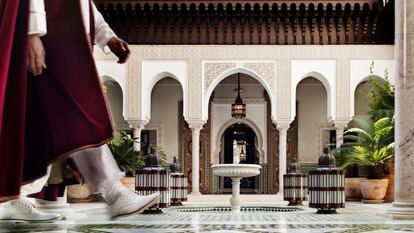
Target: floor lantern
327,185
154,178
295,185
178,184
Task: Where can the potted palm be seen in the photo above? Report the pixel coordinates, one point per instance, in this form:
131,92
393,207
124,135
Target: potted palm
128,159
370,144
352,181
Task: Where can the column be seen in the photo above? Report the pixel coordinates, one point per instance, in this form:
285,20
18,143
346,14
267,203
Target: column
340,128
339,135
282,153
137,126
137,135
195,157
403,205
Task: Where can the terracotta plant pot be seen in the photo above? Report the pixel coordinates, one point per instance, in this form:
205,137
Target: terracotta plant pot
353,189
374,190
129,182
78,192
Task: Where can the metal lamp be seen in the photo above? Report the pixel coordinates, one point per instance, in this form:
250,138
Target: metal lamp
238,109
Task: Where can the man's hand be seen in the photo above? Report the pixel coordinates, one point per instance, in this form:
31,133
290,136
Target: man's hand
119,48
36,55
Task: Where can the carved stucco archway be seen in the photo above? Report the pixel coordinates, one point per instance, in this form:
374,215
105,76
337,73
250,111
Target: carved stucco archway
108,78
264,73
354,89
215,156
324,70
105,80
153,71
360,71
150,86
329,93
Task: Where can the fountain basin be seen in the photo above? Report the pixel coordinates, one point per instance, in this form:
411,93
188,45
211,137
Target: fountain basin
236,170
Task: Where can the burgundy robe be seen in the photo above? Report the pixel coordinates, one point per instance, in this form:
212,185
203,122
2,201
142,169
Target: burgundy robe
64,110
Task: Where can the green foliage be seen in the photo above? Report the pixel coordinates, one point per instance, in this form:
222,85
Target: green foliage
371,142
380,97
368,144
156,149
127,158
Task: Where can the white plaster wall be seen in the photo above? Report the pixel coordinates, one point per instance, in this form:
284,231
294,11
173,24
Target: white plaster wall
165,117
312,120
155,70
115,99
111,70
221,114
359,71
324,71
361,104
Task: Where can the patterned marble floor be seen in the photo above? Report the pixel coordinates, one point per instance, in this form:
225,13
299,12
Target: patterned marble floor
353,219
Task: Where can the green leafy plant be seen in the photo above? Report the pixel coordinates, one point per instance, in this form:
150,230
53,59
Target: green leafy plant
127,158
380,97
368,144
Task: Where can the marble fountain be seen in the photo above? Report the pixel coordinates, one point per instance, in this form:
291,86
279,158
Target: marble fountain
236,172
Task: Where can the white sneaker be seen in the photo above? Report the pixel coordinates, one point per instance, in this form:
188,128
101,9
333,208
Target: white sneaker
23,210
130,203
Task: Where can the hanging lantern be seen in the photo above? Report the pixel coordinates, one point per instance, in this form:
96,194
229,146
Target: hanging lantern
242,154
238,109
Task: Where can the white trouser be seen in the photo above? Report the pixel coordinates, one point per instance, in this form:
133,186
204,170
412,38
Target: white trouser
97,166
36,186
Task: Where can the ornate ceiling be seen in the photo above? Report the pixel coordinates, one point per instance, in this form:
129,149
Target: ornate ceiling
251,22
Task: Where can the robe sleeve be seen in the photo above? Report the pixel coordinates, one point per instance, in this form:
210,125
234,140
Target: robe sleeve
103,33
37,18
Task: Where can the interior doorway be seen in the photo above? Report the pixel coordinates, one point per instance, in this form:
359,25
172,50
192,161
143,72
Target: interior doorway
239,139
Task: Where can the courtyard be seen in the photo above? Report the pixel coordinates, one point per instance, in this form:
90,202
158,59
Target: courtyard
293,100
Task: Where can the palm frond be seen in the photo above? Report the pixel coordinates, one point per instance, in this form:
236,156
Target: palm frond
382,123
368,144
127,158
360,133
364,122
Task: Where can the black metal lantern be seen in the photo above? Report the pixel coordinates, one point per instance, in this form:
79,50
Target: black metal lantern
327,185
175,166
295,185
238,109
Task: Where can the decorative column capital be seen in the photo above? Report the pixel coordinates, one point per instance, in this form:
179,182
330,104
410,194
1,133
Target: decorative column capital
283,126
137,123
196,124
339,124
